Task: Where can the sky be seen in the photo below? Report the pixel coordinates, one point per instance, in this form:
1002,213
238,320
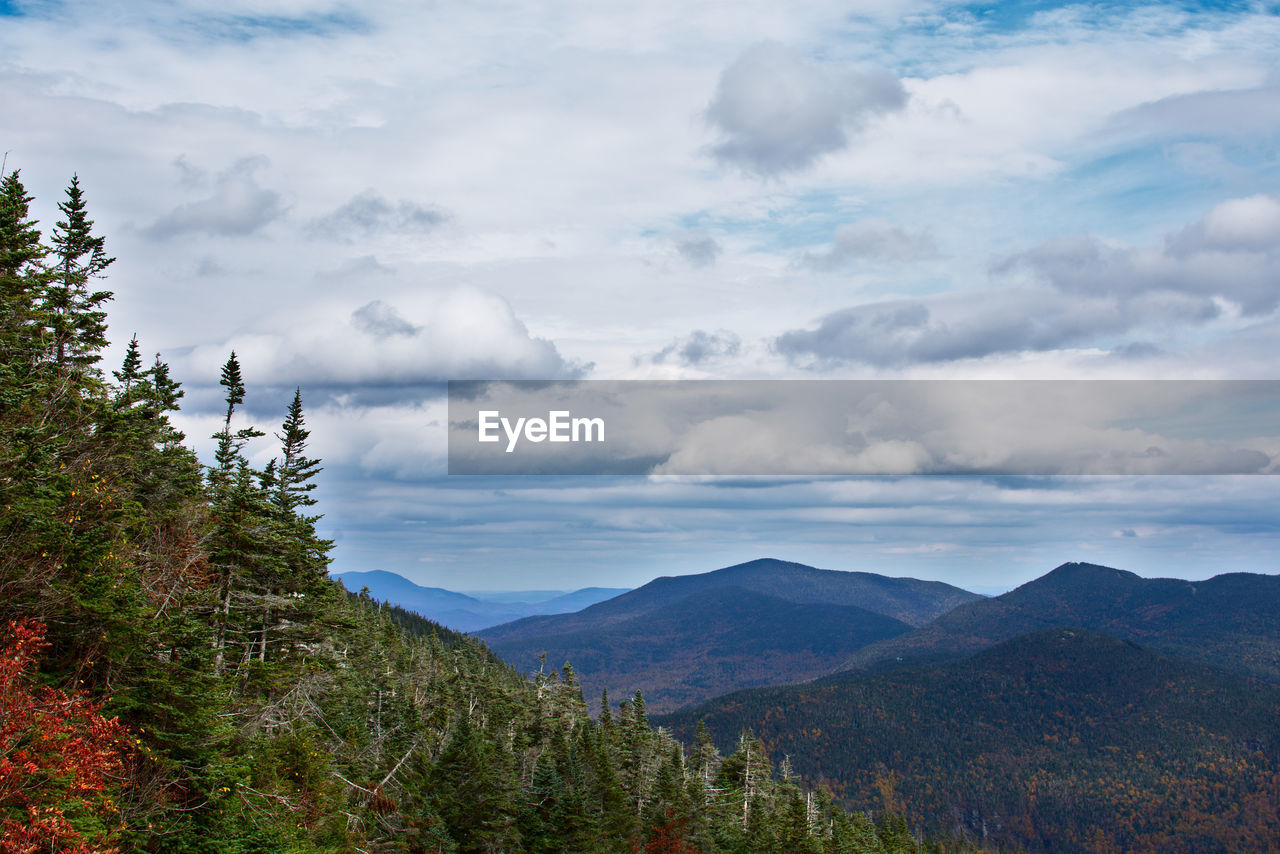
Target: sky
367,200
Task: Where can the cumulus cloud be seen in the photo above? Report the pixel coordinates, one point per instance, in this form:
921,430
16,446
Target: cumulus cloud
778,112
1232,253
902,332
368,214
697,248
869,240
378,318
1226,112
699,347
238,206
464,333
1237,225
1089,290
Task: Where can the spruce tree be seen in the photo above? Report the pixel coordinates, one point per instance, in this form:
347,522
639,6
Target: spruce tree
22,280
130,370
229,443
294,481
79,325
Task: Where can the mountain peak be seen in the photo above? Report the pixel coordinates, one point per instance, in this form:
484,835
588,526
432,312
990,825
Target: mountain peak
1078,572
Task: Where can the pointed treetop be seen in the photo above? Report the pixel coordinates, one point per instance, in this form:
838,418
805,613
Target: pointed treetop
19,237
294,483
232,382
167,390
78,250
79,324
129,372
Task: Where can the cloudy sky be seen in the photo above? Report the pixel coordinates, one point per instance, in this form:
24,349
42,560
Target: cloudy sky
370,199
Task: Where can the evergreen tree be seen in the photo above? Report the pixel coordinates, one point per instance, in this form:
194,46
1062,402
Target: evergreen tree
294,483
130,371
22,281
79,324
229,443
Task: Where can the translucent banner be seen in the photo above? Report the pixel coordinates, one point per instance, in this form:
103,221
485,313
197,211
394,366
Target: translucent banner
865,427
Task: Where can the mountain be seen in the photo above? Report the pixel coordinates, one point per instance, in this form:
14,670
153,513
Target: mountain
687,638
579,599
1232,621
1059,740
467,613
910,600
707,643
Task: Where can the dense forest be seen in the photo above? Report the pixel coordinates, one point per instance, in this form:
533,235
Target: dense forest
1062,740
179,674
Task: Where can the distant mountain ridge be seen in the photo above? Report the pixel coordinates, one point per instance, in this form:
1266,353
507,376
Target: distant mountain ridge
1230,621
910,600
684,639
460,611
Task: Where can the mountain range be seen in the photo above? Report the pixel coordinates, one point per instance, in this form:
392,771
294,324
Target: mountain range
1230,621
687,638
467,613
1088,710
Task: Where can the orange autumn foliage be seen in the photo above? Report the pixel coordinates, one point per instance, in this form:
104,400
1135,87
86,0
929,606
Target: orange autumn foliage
58,758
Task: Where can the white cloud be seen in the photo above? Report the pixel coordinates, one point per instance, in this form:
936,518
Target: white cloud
870,240
1232,253
1237,225
779,113
699,347
461,333
368,214
238,206
1095,292
698,248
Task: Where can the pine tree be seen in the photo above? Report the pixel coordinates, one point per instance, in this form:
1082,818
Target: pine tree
294,483
229,443
22,280
242,515
130,371
79,325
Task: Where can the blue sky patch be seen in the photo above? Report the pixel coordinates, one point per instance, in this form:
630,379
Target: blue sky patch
245,28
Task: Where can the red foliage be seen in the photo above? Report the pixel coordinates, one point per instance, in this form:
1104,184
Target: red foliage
58,755
669,838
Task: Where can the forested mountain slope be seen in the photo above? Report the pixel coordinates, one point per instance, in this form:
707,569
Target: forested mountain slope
1231,621
688,638
708,643
1061,740
179,674
909,600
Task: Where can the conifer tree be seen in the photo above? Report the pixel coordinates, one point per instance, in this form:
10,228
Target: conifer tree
294,482
242,515
22,280
79,325
130,370
229,443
